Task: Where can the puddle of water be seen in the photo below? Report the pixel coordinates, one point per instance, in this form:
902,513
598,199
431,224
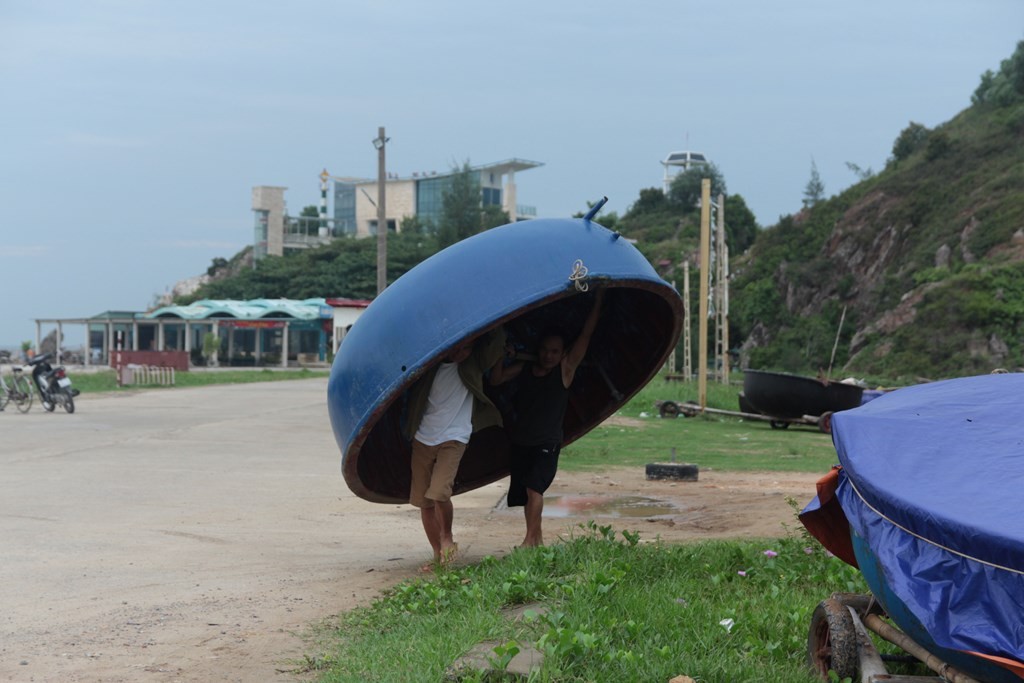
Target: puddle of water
603,506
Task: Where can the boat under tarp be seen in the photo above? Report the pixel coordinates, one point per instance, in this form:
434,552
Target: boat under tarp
525,277
781,394
927,501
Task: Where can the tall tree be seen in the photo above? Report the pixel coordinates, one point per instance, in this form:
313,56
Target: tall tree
416,224
910,139
308,220
492,216
740,224
815,189
684,192
650,200
861,173
460,207
1005,87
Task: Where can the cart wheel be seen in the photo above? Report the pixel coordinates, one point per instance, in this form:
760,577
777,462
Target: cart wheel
825,422
832,641
779,424
668,409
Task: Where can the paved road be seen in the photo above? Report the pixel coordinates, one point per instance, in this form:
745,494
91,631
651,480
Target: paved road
187,534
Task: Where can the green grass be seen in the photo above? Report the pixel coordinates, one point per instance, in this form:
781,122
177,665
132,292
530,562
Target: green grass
711,442
618,609
106,380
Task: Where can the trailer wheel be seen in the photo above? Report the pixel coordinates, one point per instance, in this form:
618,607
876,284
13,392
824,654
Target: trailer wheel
668,409
825,422
778,424
832,641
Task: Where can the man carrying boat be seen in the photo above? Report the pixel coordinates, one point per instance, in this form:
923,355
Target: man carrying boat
540,401
445,407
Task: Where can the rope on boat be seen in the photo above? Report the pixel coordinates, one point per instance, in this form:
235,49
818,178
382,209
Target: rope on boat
579,275
929,541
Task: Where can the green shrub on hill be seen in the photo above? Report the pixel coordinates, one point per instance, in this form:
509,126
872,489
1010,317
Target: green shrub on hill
346,267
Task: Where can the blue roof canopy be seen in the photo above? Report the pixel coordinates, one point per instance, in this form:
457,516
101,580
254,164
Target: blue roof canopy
253,309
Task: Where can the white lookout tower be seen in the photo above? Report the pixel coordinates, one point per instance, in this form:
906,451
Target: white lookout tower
681,161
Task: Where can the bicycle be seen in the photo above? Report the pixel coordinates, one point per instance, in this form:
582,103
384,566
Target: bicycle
19,391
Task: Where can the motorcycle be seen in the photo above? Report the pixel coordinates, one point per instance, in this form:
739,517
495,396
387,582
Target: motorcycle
53,384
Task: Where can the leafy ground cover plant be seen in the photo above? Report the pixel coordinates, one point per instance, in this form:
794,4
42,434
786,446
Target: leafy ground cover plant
615,608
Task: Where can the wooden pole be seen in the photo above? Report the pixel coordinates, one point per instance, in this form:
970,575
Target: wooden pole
382,221
687,349
720,350
893,635
671,364
705,271
724,284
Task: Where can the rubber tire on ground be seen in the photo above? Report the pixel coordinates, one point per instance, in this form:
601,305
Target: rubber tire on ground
24,387
679,471
832,641
668,409
779,424
825,422
47,404
69,401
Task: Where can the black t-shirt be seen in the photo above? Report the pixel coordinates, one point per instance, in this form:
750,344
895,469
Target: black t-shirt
540,404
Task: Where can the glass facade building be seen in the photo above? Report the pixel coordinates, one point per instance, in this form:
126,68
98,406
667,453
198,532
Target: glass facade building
259,242
430,198
344,209
430,195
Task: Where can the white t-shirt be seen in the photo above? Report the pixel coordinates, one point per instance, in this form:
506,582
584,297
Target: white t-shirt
449,412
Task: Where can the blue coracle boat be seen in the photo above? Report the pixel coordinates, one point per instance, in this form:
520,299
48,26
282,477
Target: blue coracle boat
928,502
525,277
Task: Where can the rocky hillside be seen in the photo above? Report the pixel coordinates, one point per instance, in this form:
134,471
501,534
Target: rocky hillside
923,263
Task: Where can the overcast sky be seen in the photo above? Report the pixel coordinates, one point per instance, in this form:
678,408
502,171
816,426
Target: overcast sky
134,130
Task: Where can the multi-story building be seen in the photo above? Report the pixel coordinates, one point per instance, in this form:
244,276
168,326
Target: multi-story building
419,195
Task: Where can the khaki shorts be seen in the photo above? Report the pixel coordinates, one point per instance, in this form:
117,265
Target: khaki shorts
433,472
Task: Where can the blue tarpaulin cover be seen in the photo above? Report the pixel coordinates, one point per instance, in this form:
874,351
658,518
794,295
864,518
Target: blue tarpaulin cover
933,480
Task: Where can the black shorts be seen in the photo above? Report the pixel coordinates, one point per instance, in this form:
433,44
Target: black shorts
532,467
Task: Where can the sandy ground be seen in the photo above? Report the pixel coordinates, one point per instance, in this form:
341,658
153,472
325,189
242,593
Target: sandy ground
199,534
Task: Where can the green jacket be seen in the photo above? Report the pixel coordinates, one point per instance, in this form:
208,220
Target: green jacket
486,352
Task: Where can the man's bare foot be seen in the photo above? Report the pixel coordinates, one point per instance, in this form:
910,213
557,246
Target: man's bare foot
448,555
429,567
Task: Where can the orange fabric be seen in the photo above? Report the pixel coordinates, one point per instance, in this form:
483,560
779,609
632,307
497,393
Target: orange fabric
828,523
826,486
1011,665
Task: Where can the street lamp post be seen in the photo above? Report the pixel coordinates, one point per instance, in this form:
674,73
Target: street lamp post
382,221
